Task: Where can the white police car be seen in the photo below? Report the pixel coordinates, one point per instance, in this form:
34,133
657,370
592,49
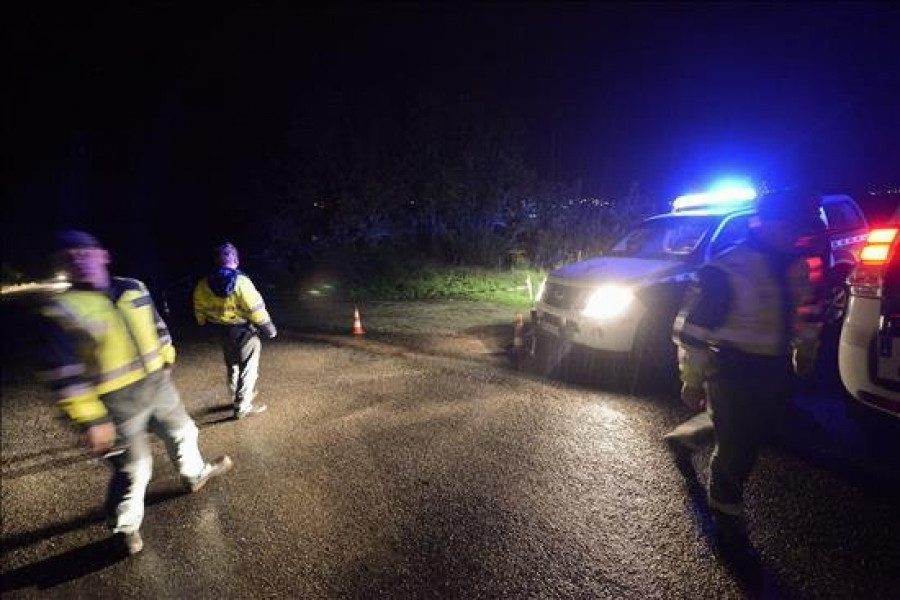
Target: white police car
869,351
625,301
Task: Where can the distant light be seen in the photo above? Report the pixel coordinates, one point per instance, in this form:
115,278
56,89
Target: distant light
35,286
723,193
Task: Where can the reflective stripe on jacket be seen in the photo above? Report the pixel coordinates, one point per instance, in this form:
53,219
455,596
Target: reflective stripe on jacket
237,308
100,341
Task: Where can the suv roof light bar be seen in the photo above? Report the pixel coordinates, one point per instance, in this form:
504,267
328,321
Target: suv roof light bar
719,197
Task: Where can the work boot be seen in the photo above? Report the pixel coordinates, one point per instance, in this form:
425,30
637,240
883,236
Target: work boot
728,518
253,409
215,468
131,542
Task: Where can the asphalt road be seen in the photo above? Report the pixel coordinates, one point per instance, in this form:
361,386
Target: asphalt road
414,465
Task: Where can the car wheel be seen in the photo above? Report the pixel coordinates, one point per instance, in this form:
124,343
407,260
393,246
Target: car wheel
836,301
880,432
654,361
548,355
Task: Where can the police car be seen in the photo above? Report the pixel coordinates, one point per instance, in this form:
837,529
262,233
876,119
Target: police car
624,302
869,351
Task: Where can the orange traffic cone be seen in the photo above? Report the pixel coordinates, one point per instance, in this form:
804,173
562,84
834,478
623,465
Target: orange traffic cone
357,323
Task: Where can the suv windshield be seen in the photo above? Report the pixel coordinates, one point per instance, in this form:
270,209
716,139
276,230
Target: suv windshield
670,238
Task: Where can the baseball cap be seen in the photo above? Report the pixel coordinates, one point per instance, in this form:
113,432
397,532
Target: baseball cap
792,205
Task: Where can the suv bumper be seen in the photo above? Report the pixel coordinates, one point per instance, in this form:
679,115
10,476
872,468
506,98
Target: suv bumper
613,335
858,359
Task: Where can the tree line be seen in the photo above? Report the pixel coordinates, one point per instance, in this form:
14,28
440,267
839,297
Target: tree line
443,178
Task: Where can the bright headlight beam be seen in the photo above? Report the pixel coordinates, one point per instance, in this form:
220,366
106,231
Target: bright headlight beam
608,302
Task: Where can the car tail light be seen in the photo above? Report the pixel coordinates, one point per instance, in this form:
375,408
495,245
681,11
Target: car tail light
878,246
868,276
816,269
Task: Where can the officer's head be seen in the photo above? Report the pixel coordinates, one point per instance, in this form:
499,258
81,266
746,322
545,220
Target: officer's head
783,216
81,257
226,255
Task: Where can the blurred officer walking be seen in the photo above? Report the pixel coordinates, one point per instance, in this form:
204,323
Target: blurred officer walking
108,356
749,321
227,301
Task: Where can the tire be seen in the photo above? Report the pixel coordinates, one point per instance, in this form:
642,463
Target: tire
838,297
880,432
548,355
561,359
654,361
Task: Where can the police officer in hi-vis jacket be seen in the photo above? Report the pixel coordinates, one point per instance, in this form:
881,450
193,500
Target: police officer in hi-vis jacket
107,355
227,302
751,319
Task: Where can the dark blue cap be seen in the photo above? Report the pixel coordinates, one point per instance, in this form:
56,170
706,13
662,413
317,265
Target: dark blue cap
72,238
792,205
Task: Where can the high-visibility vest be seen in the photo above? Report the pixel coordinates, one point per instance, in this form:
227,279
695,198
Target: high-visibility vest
755,323
109,341
243,305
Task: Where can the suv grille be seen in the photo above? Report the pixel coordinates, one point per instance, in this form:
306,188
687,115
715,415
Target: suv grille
563,296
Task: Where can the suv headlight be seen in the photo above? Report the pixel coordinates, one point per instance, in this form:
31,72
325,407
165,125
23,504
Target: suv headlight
608,302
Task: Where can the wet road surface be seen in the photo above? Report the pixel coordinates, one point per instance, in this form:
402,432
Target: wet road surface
406,466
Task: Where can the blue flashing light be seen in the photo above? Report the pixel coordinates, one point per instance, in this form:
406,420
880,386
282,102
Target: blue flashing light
725,193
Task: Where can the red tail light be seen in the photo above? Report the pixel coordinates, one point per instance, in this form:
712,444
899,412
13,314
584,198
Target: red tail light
816,269
867,278
878,246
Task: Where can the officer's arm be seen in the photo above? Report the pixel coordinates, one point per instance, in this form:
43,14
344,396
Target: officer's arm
706,308
166,347
64,372
199,313
251,303
808,317
713,300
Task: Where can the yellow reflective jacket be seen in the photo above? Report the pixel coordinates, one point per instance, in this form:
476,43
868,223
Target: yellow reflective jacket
228,297
100,341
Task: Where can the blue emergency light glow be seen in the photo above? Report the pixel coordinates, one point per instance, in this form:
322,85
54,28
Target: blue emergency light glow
722,194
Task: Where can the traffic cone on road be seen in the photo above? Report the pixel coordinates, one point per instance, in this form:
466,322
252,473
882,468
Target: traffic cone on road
357,323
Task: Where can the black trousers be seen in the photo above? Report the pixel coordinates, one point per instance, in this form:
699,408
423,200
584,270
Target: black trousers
747,395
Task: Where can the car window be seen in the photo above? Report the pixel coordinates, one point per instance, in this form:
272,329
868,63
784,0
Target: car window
674,238
732,232
842,215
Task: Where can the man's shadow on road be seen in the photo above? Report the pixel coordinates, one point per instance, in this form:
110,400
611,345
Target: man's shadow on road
64,567
74,563
213,415
733,548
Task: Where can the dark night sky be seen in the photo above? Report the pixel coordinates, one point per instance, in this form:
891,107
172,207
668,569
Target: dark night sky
146,122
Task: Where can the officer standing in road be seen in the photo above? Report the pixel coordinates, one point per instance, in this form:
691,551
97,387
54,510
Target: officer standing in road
227,301
748,322
108,357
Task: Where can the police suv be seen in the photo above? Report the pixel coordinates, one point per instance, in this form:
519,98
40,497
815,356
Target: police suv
624,302
869,351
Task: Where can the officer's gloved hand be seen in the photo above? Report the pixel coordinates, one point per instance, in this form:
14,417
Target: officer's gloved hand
268,331
694,397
